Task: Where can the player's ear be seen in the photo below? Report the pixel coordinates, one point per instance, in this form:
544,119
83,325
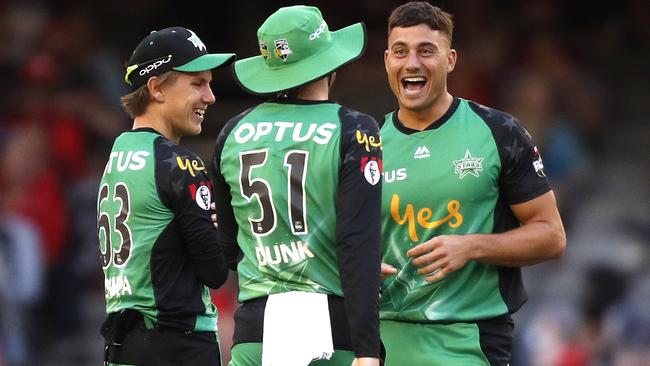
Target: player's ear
386,60
451,60
155,89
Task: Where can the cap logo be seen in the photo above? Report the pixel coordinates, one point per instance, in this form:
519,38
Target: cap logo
318,31
264,50
282,49
154,65
196,41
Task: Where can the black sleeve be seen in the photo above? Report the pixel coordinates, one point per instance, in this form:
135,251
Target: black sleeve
184,187
358,223
522,172
522,175
227,225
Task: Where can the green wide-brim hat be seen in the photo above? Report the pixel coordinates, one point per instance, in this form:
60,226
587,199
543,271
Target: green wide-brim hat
297,48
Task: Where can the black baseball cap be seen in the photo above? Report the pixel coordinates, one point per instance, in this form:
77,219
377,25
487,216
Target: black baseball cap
174,48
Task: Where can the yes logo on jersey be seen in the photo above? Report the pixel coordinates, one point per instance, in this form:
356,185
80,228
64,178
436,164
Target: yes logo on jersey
372,169
192,166
368,141
424,217
468,165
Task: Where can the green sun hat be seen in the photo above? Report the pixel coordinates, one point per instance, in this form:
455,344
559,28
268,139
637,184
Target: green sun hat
296,48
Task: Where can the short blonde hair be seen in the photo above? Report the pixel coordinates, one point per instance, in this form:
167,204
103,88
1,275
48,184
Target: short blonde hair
136,102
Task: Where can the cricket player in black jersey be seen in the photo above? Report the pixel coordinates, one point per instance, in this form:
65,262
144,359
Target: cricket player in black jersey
465,204
159,249
297,190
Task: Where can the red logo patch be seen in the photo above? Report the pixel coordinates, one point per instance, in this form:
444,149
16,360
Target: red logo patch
366,159
193,187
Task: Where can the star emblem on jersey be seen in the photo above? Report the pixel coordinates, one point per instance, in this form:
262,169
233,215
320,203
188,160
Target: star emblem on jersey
514,150
196,41
468,165
509,121
421,153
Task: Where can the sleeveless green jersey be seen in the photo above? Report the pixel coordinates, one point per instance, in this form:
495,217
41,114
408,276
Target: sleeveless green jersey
456,177
153,222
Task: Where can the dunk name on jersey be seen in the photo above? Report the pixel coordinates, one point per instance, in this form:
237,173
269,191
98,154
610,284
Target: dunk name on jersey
291,253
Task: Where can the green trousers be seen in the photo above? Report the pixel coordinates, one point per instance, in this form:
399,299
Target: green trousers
250,354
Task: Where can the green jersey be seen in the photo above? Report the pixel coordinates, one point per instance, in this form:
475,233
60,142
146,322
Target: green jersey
158,246
298,193
459,176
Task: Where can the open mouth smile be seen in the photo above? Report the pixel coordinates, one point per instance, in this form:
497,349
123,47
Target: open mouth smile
199,112
413,85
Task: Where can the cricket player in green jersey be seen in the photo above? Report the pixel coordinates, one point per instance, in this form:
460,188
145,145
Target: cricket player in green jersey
159,249
298,196
465,204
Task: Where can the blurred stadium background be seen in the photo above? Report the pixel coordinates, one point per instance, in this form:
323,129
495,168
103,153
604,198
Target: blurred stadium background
576,73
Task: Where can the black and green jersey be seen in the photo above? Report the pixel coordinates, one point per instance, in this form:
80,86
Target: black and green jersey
158,246
459,176
298,188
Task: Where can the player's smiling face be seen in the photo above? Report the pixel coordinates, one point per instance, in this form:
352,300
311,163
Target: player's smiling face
188,98
417,62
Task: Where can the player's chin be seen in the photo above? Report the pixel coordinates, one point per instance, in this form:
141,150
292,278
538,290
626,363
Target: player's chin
193,129
413,104
195,125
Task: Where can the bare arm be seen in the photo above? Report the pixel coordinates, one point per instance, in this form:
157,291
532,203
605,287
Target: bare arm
541,237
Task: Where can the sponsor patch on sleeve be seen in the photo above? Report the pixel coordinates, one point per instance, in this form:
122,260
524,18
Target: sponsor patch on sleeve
371,168
201,194
203,197
537,163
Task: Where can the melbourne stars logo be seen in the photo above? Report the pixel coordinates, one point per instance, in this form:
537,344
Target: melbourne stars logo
468,165
196,41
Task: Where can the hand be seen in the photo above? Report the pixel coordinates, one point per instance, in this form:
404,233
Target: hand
387,270
365,361
441,255
213,217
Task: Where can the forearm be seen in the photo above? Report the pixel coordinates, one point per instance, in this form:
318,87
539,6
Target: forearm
529,244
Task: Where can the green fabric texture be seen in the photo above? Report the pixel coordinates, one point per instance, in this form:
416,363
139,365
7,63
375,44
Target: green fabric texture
279,257
426,195
128,284
432,344
130,204
297,47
